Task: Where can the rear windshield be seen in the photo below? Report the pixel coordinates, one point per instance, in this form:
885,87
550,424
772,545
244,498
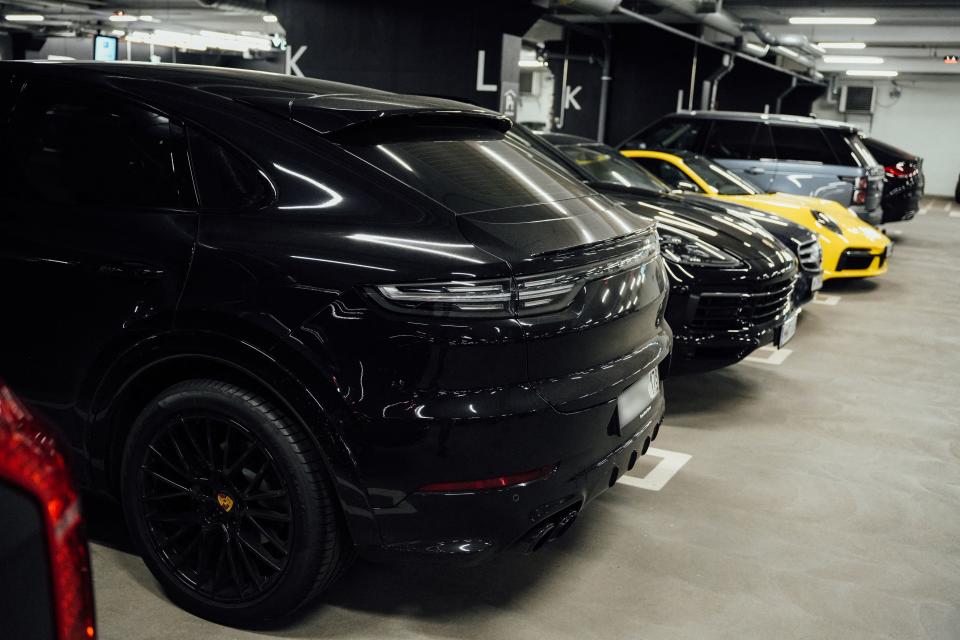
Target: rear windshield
603,164
887,153
469,170
727,183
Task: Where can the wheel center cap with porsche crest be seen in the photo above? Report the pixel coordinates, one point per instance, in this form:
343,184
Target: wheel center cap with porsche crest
225,501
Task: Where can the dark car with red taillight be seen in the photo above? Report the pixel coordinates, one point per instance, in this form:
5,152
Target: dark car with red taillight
45,585
903,181
286,321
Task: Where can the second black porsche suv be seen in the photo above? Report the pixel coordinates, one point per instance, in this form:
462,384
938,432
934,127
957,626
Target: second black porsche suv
734,285
285,320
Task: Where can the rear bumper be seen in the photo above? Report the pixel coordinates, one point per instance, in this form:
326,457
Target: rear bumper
466,528
874,216
466,436
902,203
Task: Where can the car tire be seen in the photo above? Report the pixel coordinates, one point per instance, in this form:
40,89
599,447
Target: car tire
230,505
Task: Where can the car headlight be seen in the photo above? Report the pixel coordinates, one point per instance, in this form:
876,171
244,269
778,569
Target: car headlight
692,252
827,221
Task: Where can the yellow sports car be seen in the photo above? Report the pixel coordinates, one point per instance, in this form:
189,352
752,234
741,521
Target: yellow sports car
851,247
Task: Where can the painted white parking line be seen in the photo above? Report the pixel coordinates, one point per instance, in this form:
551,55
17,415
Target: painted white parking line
768,355
826,298
660,475
947,204
955,214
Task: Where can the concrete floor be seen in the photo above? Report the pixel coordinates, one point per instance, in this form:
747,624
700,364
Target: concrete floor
821,500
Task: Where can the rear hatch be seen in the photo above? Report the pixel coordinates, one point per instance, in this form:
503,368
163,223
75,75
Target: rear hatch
589,289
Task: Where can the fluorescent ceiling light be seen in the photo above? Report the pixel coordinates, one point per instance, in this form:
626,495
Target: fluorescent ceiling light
236,42
270,18
843,45
23,17
828,20
123,17
872,73
60,58
148,19
201,41
852,60
532,64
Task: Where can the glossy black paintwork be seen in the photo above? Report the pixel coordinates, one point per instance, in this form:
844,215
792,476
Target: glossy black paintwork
901,193
744,233
117,306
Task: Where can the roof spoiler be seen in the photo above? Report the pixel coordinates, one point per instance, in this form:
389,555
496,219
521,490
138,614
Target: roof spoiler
341,114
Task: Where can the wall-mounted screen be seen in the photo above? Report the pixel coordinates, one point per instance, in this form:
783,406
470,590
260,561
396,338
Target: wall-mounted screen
105,48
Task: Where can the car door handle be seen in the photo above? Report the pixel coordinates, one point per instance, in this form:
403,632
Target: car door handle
132,271
756,171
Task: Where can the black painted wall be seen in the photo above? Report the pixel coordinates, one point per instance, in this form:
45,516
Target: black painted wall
650,67
749,87
414,46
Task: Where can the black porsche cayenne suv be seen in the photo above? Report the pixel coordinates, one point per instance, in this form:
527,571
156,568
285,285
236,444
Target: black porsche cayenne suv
286,320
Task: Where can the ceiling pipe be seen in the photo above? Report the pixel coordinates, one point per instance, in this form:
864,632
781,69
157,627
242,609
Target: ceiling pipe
746,49
791,40
258,7
729,25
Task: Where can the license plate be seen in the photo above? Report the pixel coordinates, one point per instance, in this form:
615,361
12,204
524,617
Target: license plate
817,283
637,397
787,330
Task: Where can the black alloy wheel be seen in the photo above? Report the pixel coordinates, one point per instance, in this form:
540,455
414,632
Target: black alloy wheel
216,507
230,505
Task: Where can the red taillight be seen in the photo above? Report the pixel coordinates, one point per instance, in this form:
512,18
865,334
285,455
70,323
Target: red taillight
499,482
30,459
900,170
859,196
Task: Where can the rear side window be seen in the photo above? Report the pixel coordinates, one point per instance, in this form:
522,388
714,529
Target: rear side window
682,134
469,170
69,146
802,144
887,154
739,140
226,180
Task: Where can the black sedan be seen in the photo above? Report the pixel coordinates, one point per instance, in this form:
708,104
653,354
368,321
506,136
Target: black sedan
286,320
732,282
903,181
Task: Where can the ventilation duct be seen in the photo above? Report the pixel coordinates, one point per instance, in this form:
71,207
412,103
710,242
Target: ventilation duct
242,6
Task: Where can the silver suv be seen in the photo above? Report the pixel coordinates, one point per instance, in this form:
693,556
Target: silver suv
791,154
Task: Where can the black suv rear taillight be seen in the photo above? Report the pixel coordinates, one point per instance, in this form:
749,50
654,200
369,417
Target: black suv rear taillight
524,296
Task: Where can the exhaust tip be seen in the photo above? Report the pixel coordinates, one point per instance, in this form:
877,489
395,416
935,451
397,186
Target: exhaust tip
646,445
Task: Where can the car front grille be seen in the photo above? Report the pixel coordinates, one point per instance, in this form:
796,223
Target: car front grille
810,256
735,309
